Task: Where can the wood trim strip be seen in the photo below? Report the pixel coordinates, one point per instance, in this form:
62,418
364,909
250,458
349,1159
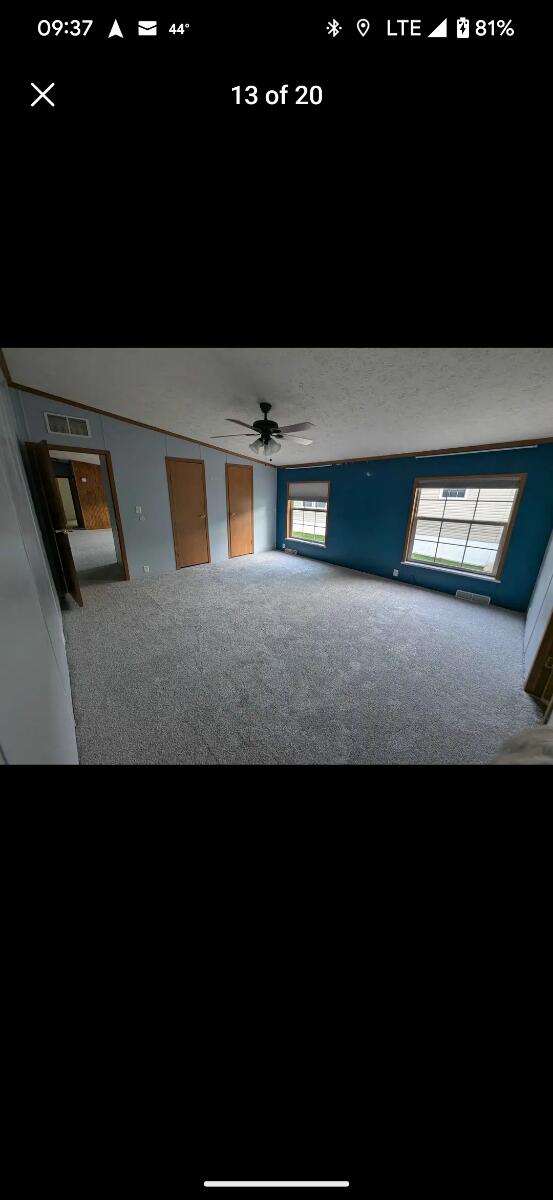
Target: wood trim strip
118,521
5,370
103,412
539,673
325,462
333,462
503,551
410,522
111,477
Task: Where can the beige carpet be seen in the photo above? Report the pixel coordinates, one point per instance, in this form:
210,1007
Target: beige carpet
276,659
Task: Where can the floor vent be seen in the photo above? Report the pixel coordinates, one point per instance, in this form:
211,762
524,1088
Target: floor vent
288,551
474,597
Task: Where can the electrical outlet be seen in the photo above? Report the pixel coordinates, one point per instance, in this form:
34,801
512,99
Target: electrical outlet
146,569
142,518
396,572
284,545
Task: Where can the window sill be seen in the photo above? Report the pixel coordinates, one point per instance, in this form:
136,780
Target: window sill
450,571
306,542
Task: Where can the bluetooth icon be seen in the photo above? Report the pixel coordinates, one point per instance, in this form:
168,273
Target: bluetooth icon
333,28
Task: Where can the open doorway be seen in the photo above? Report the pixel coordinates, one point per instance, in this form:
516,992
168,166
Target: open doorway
87,494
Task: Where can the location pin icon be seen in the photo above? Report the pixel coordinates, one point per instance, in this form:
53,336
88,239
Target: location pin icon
363,26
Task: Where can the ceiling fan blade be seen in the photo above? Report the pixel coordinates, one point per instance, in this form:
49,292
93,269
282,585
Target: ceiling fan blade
215,437
291,437
296,428
235,422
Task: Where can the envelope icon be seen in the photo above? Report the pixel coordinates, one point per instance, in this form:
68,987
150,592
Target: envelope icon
147,28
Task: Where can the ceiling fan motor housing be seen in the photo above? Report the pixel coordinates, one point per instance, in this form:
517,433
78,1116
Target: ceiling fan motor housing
264,426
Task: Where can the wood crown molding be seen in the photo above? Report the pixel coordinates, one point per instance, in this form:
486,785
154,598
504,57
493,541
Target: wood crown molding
334,462
324,462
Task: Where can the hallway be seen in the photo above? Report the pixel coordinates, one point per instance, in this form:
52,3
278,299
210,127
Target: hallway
95,557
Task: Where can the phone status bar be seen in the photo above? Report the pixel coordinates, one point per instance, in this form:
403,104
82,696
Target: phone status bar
366,29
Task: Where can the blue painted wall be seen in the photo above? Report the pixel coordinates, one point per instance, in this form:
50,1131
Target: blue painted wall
369,510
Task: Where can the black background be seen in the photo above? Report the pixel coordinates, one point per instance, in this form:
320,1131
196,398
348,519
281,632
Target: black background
208,990
410,207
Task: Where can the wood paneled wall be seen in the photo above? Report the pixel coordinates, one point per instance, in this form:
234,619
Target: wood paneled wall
92,497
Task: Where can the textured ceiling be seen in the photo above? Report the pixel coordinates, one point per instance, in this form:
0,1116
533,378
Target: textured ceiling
361,401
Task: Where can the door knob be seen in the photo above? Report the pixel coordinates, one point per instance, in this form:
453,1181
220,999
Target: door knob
202,516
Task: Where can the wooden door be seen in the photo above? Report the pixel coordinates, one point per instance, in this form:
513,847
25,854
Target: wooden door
186,479
92,495
239,509
54,518
540,679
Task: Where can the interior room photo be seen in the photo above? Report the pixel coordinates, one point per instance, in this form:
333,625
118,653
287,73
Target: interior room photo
276,556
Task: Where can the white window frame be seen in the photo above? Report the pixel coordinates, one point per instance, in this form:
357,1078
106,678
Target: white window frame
67,417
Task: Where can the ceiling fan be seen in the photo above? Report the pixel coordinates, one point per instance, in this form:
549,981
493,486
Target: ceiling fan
269,433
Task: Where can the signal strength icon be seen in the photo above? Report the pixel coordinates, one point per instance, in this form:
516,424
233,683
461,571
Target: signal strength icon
440,30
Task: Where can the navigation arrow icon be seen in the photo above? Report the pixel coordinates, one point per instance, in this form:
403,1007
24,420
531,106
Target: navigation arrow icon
115,31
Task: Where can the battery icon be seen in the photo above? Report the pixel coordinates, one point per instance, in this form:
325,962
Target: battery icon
463,29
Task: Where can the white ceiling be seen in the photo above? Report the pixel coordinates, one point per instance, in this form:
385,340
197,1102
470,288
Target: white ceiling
361,401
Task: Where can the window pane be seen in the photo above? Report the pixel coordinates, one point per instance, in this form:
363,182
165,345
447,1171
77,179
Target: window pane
77,425
485,535
57,424
431,503
459,510
450,553
495,504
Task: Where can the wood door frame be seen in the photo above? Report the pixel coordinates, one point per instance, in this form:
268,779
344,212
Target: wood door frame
109,467
199,462
539,675
242,467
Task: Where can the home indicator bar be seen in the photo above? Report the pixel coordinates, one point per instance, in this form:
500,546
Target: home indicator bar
215,1183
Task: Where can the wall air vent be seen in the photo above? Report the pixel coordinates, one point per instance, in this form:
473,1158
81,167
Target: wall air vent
68,426
474,597
288,550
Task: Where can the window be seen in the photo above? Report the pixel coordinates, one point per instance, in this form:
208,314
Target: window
307,511
76,426
463,525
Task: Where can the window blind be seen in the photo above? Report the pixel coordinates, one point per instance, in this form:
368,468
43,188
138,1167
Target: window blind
316,489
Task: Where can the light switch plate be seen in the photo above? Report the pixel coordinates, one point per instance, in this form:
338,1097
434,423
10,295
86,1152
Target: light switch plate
138,509
396,572
146,569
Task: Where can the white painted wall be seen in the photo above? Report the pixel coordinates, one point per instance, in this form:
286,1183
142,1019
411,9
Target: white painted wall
539,609
138,459
36,712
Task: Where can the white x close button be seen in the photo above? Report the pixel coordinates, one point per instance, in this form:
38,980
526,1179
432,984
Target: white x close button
42,95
